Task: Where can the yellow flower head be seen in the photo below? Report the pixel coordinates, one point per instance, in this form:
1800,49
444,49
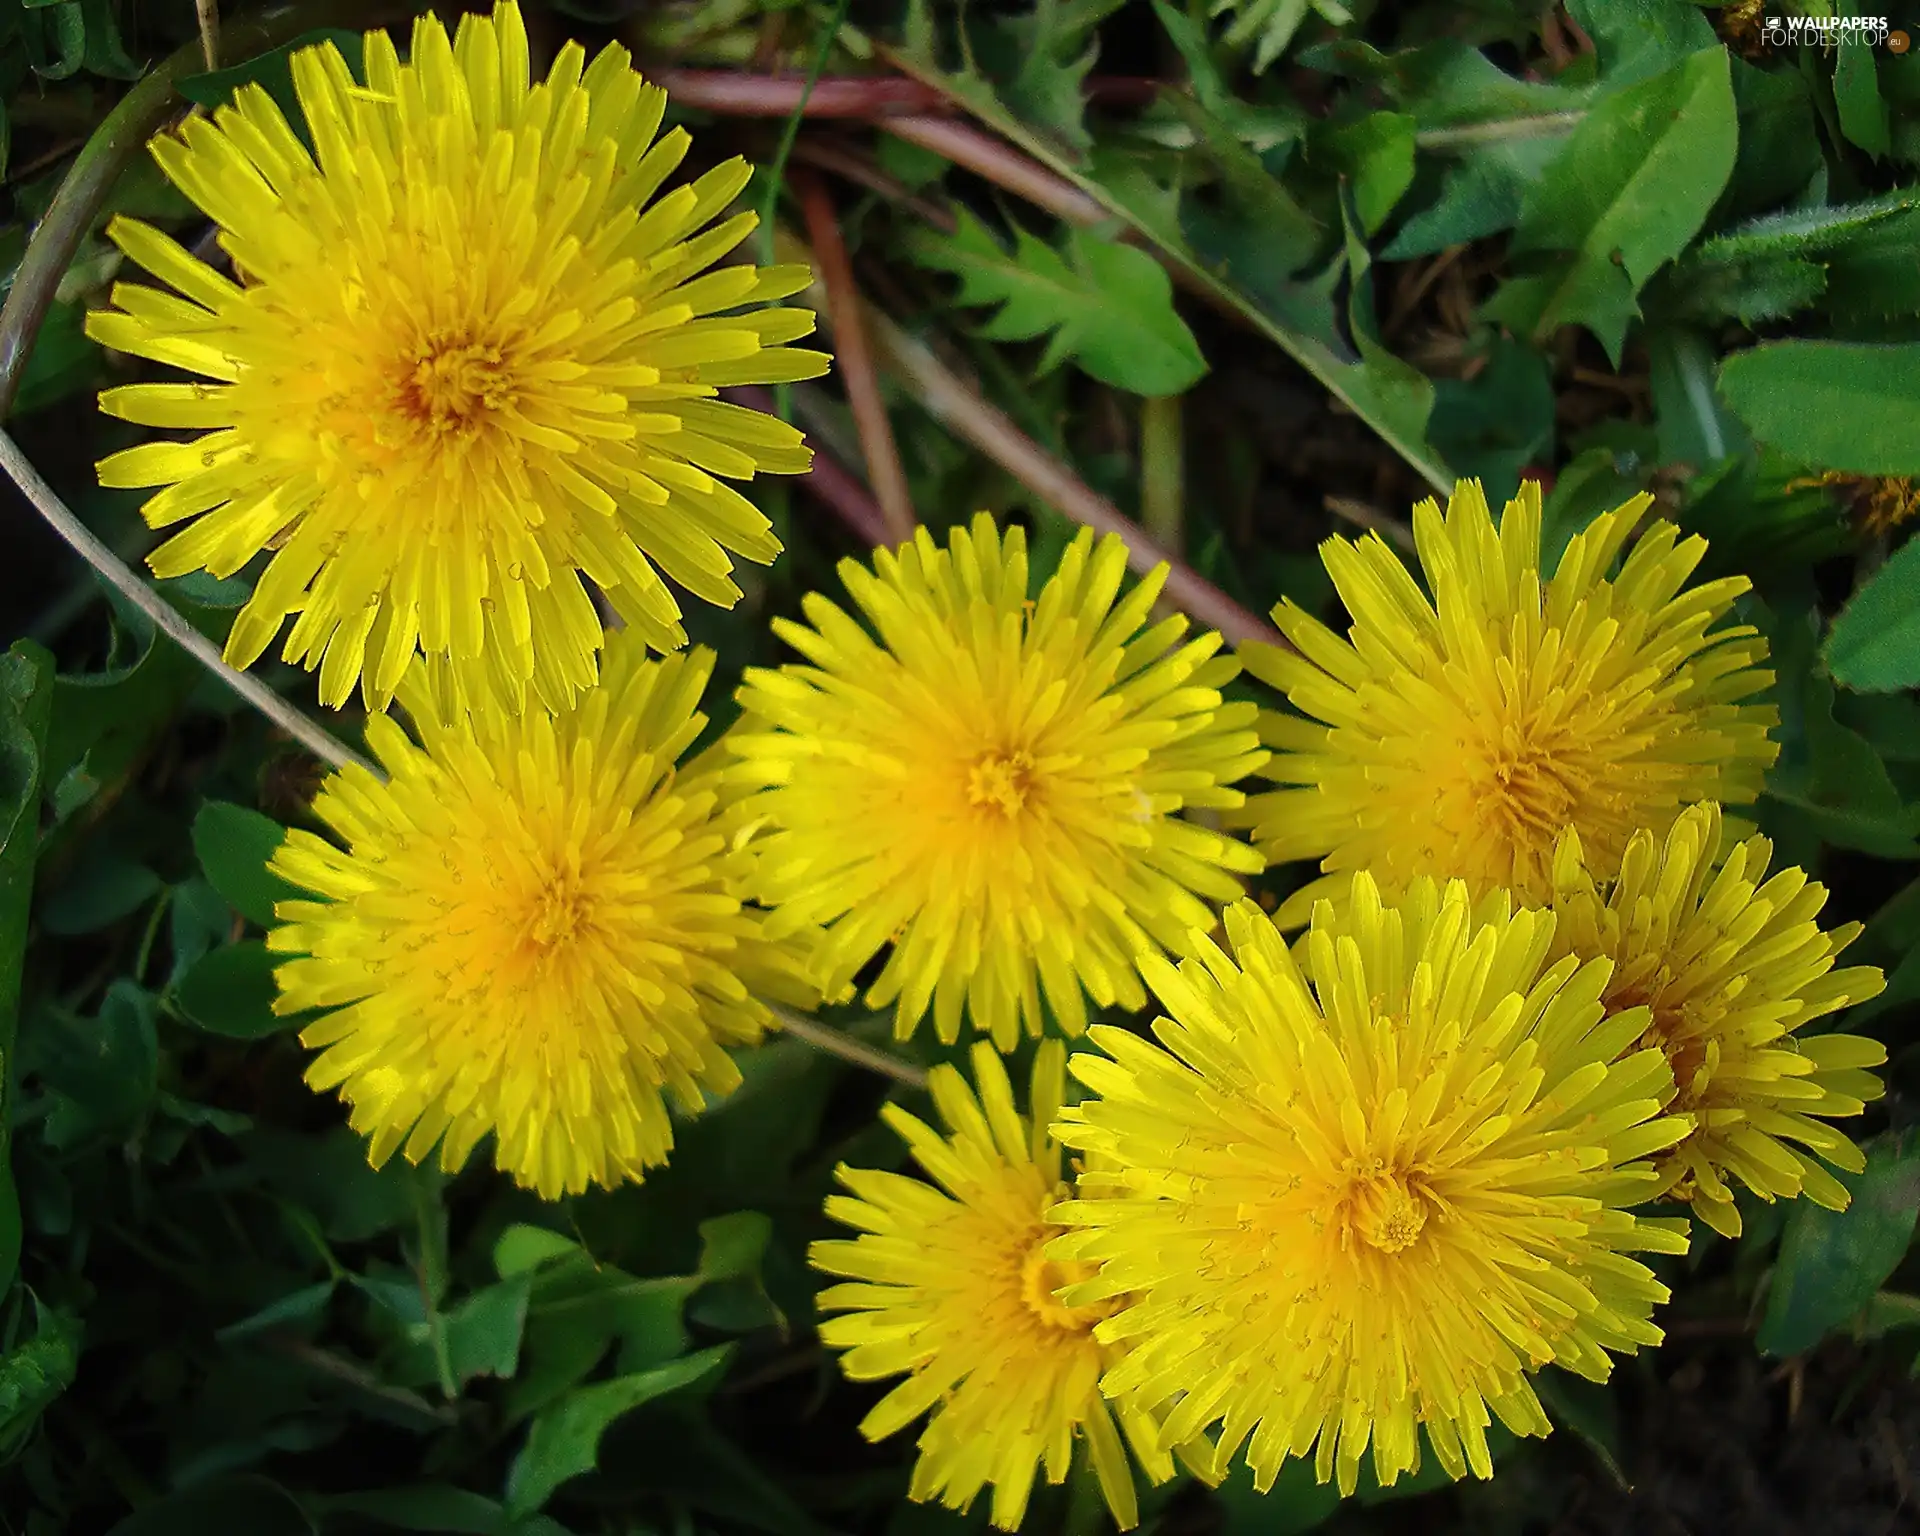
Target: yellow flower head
1372,1190
1457,736
952,1290
993,783
532,930
464,364
1730,964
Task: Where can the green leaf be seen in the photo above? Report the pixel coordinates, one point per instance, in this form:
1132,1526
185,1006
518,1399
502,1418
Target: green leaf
253,1505
103,887
35,1372
1480,194
1827,773
1105,304
26,692
101,1073
484,1331
1832,1262
564,1440
234,845
522,1249
1493,425
231,991
1857,100
1054,47
295,1310
272,71
435,1507
1375,152
1695,427
1874,645
1636,39
1836,405
1632,187
1587,1409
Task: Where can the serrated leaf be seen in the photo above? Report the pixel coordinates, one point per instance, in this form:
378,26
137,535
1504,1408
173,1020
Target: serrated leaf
564,1440
1105,304
1807,231
1832,1262
1874,645
1633,185
35,1372
234,845
1269,25
1835,405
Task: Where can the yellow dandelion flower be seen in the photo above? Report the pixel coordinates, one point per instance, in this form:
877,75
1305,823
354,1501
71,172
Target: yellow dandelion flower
469,359
1731,965
1458,736
993,784
1371,1190
949,1287
532,930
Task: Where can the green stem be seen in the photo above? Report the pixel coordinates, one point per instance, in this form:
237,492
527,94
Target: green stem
1541,125
124,132
1162,469
777,171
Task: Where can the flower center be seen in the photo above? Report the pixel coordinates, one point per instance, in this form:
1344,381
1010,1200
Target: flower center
1527,784
1040,1277
558,913
1001,782
1386,1211
454,385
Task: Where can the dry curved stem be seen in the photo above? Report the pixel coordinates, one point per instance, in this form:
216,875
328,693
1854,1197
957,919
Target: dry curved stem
852,360
838,1043
321,743
1000,163
733,94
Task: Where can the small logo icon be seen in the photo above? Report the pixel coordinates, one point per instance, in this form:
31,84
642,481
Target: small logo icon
1898,41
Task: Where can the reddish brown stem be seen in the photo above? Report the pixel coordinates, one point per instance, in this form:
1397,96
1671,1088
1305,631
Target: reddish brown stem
1000,163
852,358
828,481
734,94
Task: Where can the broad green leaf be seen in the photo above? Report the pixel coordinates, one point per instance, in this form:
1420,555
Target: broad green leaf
234,845
1104,304
1636,39
231,991
1836,405
564,1440
1874,645
1633,185
1857,99
26,690
99,890
329,1176
1832,1262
